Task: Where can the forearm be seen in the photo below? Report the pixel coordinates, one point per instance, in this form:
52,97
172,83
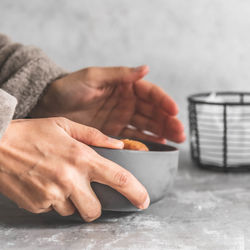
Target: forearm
25,71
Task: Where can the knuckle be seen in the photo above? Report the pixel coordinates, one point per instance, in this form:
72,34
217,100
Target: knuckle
64,178
90,72
74,149
35,207
60,119
75,154
72,211
61,122
34,210
121,72
51,193
122,69
92,133
122,178
68,212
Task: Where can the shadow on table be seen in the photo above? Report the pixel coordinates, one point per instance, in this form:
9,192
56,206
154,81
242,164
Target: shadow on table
12,216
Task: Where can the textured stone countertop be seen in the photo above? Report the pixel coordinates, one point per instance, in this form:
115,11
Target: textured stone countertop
206,210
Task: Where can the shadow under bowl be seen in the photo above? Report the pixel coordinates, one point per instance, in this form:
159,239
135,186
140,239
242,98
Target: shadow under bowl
155,169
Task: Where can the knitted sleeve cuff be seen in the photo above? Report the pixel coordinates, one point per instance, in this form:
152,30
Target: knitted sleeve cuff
29,82
7,108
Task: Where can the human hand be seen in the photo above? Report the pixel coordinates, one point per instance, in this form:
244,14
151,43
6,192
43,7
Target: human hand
112,98
47,164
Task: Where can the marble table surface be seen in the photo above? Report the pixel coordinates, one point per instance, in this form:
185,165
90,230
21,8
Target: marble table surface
205,210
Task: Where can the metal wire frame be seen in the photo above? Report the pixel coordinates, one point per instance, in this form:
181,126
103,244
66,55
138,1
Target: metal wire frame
220,148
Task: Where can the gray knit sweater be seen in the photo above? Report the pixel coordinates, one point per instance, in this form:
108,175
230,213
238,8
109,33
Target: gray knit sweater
25,71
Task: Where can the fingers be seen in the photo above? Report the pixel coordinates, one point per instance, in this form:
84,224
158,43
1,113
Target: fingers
108,107
143,123
64,208
167,127
150,93
157,121
86,202
145,108
137,134
114,75
20,194
119,117
174,130
44,210
88,135
113,175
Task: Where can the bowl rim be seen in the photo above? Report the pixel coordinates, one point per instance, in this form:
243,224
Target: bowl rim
169,148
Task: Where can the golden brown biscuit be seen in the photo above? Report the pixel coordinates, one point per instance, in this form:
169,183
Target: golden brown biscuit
134,145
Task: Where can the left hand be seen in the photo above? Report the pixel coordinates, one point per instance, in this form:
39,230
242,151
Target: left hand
112,98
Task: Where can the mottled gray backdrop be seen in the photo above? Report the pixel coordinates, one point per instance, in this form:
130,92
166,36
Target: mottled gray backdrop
190,46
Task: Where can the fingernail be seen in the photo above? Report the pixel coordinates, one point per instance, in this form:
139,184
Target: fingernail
145,204
164,141
139,68
176,110
184,137
116,142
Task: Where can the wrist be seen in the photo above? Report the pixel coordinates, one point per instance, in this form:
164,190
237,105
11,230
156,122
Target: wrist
46,103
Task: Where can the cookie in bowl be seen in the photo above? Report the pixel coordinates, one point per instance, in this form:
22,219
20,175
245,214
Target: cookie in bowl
134,145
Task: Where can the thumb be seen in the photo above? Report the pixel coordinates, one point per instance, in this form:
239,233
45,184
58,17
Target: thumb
122,74
88,135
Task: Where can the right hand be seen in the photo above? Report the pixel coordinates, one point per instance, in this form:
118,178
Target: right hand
47,164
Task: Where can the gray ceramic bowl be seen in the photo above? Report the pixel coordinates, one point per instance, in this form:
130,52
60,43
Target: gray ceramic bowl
155,169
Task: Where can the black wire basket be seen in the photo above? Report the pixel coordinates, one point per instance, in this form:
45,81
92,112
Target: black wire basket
220,130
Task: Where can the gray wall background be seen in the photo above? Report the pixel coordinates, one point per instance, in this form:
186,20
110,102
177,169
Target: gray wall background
190,46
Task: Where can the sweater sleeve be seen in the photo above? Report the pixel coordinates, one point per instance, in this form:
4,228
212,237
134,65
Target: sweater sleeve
7,108
25,71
